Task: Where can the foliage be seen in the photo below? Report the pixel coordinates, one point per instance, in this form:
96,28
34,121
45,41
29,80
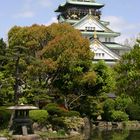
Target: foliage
54,109
58,122
121,102
71,114
105,78
55,58
4,133
119,116
91,107
73,122
133,110
24,42
67,53
112,108
88,82
109,104
128,74
4,116
108,107
39,116
22,100
68,122
2,52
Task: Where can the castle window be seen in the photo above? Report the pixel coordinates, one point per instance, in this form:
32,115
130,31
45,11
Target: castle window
89,28
100,54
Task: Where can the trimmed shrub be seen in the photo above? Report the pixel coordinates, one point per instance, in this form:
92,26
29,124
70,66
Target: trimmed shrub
39,116
54,109
58,121
71,114
119,116
133,110
51,105
68,122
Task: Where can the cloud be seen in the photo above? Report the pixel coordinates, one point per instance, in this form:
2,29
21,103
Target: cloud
24,14
118,24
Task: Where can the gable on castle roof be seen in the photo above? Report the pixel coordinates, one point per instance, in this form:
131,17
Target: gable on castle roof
102,52
90,21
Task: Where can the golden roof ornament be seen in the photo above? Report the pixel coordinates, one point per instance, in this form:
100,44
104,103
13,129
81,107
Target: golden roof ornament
90,12
95,34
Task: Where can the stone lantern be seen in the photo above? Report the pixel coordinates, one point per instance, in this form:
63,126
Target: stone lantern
22,124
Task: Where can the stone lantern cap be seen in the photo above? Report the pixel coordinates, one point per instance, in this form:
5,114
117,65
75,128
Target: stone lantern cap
23,107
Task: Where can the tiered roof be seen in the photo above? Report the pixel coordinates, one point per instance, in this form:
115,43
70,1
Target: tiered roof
80,3
85,16
92,22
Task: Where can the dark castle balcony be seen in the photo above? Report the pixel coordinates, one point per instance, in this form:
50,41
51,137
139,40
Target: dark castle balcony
77,14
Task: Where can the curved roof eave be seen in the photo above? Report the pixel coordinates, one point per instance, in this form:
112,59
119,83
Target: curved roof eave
99,5
115,34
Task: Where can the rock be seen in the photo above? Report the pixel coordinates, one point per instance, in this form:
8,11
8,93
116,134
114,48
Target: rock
50,130
109,124
2,138
87,128
44,129
102,124
35,126
72,132
119,125
55,132
28,137
99,118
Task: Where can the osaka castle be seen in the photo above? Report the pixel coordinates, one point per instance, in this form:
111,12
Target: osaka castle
85,15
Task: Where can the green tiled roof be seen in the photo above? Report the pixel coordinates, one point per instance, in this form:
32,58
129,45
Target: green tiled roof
115,34
79,2
105,22
116,46
85,2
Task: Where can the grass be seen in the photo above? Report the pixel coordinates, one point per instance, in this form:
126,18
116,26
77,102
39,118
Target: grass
4,133
59,134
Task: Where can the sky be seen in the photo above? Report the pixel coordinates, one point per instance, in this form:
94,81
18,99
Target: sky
123,15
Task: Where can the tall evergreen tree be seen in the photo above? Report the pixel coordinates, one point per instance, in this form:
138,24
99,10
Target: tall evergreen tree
128,74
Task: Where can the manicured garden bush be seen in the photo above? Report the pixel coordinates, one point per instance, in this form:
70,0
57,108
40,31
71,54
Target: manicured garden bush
133,110
58,121
54,109
71,114
39,116
119,116
68,122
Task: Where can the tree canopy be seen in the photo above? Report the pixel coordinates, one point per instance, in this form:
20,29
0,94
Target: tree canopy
54,63
128,73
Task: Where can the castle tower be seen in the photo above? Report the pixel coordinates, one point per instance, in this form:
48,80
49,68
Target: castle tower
85,15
